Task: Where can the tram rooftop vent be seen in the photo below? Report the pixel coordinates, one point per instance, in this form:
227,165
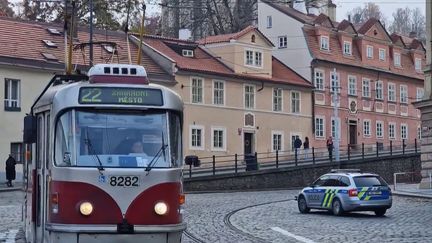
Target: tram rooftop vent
118,73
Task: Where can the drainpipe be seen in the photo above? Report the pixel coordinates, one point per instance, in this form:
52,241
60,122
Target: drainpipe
262,86
313,101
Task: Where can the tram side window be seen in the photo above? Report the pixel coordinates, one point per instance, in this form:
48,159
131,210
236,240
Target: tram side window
64,141
175,139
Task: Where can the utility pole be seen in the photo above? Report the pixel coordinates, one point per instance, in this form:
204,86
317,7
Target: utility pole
91,33
336,115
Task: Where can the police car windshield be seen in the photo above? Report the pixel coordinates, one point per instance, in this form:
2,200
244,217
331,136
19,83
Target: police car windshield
368,181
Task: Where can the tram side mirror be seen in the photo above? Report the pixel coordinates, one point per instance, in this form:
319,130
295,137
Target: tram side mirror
30,129
192,160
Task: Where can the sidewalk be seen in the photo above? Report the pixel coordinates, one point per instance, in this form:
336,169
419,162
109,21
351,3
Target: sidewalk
411,190
16,186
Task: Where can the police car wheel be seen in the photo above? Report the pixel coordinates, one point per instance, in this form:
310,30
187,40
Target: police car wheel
337,207
302,205
380,212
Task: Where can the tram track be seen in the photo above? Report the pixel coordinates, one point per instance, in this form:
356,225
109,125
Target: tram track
192,237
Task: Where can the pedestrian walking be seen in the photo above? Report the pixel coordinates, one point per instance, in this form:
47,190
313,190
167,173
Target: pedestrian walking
330,148
10,170
306,147
297,145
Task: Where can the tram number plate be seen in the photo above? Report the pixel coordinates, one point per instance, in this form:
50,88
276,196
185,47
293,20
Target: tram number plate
124,181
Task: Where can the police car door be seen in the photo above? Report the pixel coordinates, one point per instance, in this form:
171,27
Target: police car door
330,191
316,193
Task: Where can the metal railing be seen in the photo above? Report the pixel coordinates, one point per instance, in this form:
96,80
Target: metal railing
236,163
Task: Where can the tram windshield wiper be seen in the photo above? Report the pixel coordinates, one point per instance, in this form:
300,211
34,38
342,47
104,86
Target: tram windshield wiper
160,152
93,152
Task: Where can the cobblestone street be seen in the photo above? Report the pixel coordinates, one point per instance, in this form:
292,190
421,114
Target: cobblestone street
234,217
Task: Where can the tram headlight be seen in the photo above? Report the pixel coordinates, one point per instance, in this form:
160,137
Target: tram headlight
86,208
161,208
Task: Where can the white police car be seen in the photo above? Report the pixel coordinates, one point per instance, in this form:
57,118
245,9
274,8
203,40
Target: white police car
346,190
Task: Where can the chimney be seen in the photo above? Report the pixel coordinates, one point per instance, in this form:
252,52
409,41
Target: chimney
331,10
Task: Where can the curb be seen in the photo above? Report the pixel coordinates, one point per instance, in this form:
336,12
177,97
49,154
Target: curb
408,194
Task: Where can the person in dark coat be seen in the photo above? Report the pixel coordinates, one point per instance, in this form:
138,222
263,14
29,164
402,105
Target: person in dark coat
10,170
297,144
306,147
330,148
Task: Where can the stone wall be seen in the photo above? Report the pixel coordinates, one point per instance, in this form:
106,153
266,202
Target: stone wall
301,176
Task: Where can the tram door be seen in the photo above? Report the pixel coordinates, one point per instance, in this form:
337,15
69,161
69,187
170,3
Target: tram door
41,158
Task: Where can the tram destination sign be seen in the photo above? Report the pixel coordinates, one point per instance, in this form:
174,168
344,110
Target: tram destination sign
120,96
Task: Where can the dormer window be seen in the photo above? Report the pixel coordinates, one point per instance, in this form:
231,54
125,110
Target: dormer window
108,48
397,59
369,52
347,48
49,43
187,53
324,44
418,64
253,58
382,54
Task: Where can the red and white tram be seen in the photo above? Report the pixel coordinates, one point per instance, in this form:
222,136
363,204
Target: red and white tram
106,157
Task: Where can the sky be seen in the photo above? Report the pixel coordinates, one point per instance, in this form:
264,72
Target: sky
387,6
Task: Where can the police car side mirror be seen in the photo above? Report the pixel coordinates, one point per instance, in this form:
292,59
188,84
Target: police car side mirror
192,160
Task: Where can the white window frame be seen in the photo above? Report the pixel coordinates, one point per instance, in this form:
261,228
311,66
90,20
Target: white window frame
254,96
403,94
192,90
418,64
292,101
255,63
10,103
367,133
219,90
279,99
199,127
323,126
324,43
391,87
364,82
224,146
382,54
282,41
377,130
379,86
390,126
252,57
347,48
404,125
333,130
397,59
352,90
321,86
369,52
335,79
419,133
187,53
281,134
419,94
269,22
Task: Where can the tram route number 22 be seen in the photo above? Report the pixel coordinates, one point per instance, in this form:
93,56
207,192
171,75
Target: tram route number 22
124,181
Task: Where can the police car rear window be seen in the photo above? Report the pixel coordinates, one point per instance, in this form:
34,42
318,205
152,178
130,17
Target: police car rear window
367,181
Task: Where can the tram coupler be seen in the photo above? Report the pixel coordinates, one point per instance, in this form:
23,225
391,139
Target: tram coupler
125,228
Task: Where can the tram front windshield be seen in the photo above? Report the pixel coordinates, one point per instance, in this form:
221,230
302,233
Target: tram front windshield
116,139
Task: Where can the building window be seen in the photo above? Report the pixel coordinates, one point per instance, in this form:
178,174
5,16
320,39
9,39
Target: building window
404,131
403,94
335,84
324,43
12,95
295,102
253,58
319,127
382,54
197,90
249,58
333,127
379,90
319,80
197,137
277,99
16,150
419,94
352,85
283,41
218,92
419,133
397,59
418,64
277,141
187,53
249,96
258,59
366,88
293,138
391,92
379,129
392,130
369,52
347,48
366,128
218,138
269,22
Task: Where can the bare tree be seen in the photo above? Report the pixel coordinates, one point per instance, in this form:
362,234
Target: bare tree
406,21
5,8
360,15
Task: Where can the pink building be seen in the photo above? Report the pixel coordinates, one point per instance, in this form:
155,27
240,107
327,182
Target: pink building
377,75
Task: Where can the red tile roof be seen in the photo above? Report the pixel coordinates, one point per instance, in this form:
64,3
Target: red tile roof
23,40
291,12
232,36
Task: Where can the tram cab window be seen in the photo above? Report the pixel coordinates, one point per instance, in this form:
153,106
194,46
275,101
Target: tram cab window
118,139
